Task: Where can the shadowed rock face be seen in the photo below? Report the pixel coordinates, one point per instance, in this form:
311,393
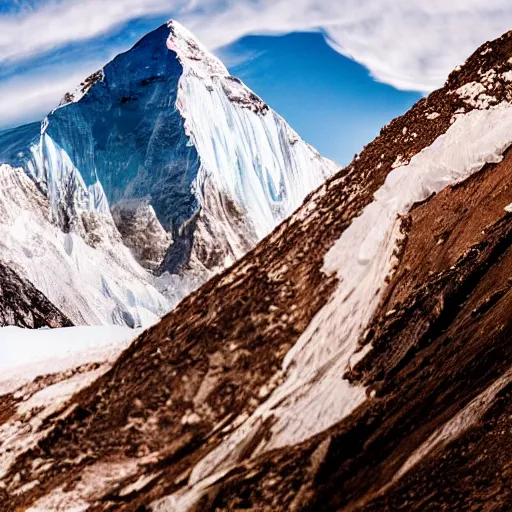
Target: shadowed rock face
22,305
167,428
141,232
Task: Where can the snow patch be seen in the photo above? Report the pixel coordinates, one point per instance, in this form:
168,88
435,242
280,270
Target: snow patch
399,162
507,76
29,353
473,94
95,481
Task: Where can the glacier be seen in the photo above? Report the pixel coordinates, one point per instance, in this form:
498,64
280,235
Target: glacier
163,148
92,277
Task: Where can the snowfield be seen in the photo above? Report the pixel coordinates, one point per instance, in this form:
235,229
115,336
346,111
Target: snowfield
66,359
29,353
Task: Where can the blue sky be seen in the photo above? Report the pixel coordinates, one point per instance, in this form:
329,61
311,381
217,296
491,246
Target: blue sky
337,71
332,101
329,99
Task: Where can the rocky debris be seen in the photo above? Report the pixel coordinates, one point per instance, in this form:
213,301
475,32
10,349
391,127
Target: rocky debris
445,344
22,305
141,231
82,89
237,92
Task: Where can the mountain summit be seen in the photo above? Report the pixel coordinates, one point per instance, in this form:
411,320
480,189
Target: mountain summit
357,359
160,162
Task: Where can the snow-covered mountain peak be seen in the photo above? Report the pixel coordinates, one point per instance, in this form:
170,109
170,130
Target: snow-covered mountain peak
163,137
198,61
358,358
191,52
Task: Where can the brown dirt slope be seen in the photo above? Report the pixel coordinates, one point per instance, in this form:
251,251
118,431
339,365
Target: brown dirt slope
446,343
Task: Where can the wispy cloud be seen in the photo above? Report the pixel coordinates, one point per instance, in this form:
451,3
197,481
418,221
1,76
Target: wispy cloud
34,30
23,99
410,44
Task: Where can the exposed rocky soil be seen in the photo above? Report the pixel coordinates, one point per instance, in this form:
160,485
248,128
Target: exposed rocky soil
141,232
22,305
434,432
440,340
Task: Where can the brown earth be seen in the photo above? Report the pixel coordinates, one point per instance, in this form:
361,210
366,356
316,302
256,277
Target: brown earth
447,340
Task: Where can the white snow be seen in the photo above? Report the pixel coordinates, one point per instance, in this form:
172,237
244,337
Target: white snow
400,160
489,76
28,353
473,94
253,157
313,395
470,90
54,171
81,90
96,480
91,285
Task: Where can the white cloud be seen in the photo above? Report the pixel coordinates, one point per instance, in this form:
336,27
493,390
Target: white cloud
410,44
55,23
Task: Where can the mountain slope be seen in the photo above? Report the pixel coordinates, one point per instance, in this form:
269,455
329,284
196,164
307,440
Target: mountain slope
162,148
22,305
357,358
90,276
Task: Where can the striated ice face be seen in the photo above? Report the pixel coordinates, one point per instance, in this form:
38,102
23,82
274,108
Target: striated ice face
247,152
124,139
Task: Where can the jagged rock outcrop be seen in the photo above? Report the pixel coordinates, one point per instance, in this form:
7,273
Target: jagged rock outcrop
142,232
358,358
22,305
